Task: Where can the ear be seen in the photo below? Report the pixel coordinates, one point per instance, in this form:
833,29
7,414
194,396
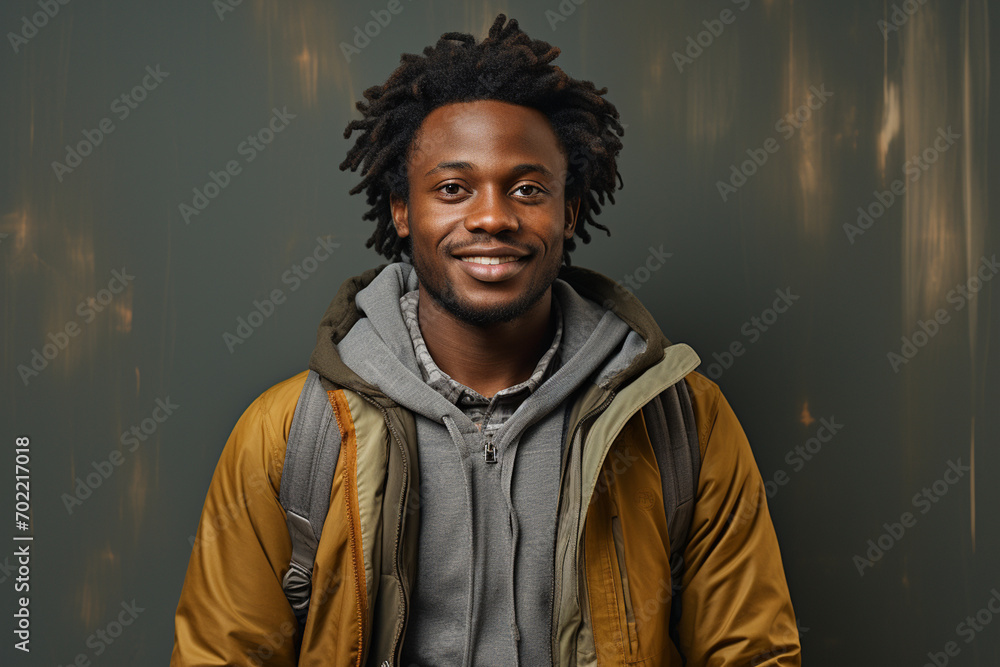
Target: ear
399,215
572,210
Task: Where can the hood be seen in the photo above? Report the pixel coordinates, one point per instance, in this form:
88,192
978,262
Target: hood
344,312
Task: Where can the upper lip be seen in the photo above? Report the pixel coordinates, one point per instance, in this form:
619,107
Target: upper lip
492,251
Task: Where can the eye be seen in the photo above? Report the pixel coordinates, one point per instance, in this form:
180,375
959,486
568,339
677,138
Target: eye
520,189
457,189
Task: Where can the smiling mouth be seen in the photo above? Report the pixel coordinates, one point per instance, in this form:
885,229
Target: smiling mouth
489,260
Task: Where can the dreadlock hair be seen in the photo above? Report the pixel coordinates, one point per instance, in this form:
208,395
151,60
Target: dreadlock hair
507,66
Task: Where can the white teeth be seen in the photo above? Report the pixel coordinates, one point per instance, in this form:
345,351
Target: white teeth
489,260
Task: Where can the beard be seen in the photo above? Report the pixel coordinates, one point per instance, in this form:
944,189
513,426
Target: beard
443,292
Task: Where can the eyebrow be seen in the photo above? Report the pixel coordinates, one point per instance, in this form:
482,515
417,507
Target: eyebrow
523,168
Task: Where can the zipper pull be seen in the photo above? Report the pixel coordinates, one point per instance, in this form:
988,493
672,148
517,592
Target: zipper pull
489,451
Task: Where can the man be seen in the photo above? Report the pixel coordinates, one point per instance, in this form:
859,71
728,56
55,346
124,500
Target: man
497,499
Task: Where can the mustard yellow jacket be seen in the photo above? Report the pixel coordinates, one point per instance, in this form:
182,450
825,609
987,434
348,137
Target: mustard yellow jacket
612,574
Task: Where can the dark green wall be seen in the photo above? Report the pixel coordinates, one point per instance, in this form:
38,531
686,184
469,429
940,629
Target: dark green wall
879,99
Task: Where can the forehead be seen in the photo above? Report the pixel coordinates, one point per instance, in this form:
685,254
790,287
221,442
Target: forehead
487,129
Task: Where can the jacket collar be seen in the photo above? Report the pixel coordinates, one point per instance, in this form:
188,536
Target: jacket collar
342,314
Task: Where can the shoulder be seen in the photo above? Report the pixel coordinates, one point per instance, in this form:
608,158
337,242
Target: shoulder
725,449
715,418
705,398
275,406
257,442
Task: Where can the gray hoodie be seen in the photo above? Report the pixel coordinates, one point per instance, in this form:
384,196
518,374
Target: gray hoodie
484,588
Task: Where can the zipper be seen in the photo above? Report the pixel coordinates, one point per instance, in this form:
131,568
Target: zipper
359,581
489,449
662,386
616,531
552,593
399,523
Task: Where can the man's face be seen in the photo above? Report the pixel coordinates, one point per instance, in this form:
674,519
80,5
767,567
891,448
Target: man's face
486,214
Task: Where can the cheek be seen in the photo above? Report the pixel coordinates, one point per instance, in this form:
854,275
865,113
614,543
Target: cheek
558,221
426,232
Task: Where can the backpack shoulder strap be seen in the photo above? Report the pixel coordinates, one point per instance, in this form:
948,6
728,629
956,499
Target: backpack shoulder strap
306,478
672,430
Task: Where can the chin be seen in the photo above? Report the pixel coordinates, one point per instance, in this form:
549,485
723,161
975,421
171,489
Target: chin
484,312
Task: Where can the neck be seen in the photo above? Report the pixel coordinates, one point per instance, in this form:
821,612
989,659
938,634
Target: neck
487,358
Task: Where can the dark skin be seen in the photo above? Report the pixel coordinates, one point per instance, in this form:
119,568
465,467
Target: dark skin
486,179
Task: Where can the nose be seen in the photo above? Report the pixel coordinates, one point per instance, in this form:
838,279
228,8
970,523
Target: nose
491,212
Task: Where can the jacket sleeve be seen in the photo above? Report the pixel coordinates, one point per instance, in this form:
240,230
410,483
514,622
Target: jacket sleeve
736,605
232,609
